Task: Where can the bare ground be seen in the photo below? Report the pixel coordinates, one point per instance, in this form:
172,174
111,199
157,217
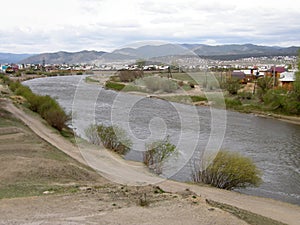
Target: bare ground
110,205
130,173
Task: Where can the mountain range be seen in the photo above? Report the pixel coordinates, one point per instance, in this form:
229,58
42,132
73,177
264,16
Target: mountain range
147,52
13,58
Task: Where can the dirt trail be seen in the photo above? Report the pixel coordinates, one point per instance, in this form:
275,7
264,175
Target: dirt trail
125,172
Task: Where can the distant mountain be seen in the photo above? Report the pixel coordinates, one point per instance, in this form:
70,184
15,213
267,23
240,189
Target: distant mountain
150,51
64,57
12,58
222,52
247,50
215,52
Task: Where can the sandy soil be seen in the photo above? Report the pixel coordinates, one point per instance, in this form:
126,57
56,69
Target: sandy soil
131,173
113,206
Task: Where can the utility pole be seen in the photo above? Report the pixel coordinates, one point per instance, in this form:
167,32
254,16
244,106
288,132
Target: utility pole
274,68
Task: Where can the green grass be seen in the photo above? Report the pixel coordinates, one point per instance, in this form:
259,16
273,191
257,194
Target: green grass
114,86
197,98
68,134
184,99
33,189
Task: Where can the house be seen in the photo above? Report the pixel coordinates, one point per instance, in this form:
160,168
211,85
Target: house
286,80
237,74
244,76
278,70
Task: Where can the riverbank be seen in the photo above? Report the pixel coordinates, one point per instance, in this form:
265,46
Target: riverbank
267,151
184,97
101,78
45,185
117,169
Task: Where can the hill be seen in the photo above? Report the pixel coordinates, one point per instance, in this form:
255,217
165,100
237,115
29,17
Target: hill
64,57
12,58
223,52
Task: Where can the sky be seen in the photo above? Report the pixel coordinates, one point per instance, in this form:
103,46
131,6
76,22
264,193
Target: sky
36,26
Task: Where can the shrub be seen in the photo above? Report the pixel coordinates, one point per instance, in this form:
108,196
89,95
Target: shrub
47,107
245,95
92,134
232,86
233,103
114,86
14,86
57,118
157,153
229,170
23,91
160,84
130,75
5,79
112,137
265,83
275,99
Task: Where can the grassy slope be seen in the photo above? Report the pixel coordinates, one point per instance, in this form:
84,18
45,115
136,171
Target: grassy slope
29,165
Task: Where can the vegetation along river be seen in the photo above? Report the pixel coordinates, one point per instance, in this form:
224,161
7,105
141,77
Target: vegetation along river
273,145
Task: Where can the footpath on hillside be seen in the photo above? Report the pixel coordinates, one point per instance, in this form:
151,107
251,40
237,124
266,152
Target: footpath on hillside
133,173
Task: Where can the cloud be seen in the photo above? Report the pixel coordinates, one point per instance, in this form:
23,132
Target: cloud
74,25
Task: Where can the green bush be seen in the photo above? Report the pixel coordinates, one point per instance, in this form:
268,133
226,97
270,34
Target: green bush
112,137
229,170
232,86
245,95
47,107
157,153
14,85
233,103
24,91
275,99
5,79
114,86
57,118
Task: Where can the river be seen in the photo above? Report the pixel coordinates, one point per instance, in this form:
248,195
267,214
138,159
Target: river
273,145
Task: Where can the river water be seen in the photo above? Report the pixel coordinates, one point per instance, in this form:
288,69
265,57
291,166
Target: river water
273,145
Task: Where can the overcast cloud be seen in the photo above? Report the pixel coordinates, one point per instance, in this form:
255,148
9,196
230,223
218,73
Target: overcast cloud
35,26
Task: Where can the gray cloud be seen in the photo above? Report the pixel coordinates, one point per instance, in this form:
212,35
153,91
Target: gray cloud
104,25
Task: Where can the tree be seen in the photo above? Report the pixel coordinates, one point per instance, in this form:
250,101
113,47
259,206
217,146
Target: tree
232,86
157,153
140,63
293,103
229,170
296,84
264,84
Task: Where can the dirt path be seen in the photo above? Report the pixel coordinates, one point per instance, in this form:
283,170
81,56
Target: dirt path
131,173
